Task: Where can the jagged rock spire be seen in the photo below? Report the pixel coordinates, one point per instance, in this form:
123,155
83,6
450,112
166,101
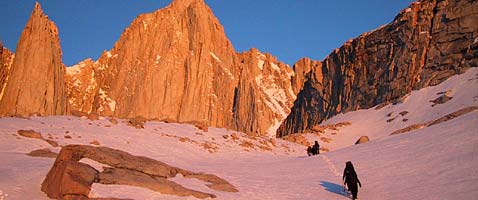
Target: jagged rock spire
36,84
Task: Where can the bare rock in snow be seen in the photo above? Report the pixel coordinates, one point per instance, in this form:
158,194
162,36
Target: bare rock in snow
439,120
113,121
79,113
452,115
362,139
159,184
46,153
51,142
137,122
408,129
441,99
36,82
297,138
234,136
214,181
70,177
30,134
201,126
93,116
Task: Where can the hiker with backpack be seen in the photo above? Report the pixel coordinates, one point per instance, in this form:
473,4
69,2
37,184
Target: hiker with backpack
314,150
351,179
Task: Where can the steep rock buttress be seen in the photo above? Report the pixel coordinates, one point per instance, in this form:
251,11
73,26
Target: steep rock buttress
424,45
36,82
176,64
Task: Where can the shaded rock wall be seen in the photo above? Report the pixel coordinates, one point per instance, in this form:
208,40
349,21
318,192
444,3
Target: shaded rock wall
6,58
425,44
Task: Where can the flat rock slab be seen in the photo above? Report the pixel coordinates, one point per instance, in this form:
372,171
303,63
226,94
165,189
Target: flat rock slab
159,184
68,178
46,153
30,134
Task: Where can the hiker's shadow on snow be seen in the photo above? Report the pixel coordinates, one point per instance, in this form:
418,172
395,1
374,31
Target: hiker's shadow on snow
334,188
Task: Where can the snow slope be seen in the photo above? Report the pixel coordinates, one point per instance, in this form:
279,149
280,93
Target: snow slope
417,109
437,162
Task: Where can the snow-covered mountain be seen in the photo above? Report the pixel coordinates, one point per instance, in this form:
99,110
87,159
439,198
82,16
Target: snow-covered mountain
436,161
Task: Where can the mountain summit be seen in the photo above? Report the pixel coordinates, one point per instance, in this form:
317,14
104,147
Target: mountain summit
36,82
176,64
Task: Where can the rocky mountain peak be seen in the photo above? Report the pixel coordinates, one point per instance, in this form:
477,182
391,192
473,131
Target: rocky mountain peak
176,64
186,3
36,84
424,45
37,9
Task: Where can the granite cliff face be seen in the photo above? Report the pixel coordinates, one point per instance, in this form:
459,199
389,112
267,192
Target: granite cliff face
425,44
263,95
6,58
176,64
36,82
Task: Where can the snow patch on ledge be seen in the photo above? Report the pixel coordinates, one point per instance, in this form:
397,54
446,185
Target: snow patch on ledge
261,60
275,67
110,102
145,25
215,57
275,95
158,58
75,69
98,166
271,131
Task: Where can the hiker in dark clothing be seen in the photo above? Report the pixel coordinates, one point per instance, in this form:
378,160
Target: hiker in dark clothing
309,151
316,148
351,179
313,150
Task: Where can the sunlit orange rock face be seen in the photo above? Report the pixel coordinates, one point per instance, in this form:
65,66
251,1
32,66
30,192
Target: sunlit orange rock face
6,58
176,64
35,83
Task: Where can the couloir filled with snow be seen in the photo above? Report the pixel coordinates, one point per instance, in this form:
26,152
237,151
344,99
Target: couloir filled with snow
436,162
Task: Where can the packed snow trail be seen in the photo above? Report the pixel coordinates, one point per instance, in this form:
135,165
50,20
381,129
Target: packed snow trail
331,166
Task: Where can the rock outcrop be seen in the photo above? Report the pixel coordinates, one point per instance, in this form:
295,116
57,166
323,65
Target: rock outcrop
362,139
71,178
45,153
36,82
6,58
425,44
176,64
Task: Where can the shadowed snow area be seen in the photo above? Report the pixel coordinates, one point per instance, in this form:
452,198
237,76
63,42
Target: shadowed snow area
435,162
